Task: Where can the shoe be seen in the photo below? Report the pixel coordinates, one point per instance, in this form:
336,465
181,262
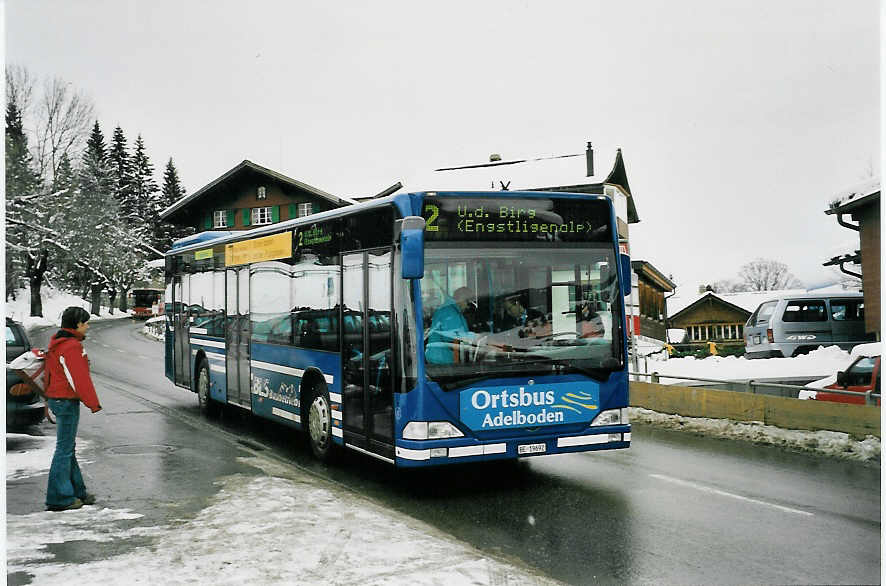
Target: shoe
88,499
74,505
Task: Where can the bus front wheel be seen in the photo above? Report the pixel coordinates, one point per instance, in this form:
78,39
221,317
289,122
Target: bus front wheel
208,407
320,426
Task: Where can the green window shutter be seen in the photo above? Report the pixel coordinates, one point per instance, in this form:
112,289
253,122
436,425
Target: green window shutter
230,221
275,214
246,212
207,221
292,211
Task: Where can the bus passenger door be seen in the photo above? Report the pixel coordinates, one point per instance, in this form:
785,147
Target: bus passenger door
237,336
367,410
181,325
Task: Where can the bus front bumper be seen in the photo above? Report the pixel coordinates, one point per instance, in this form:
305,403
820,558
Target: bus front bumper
424,453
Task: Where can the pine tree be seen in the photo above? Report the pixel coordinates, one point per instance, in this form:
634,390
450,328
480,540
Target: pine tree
121,165
94,216
26,255
66,176
172,192
145,193
21,177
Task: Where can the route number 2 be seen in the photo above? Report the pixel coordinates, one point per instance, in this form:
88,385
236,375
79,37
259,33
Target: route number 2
430,226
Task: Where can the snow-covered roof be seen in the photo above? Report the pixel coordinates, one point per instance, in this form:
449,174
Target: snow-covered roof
748,300
523,173
516,173
871,350
247,164
856,193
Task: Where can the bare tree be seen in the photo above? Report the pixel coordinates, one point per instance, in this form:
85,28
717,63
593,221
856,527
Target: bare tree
726,286
19,88
767,275
63,120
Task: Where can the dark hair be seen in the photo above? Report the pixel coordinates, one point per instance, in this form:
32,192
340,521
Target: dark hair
74,316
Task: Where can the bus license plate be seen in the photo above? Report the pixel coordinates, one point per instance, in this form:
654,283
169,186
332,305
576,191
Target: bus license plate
756,339
532,449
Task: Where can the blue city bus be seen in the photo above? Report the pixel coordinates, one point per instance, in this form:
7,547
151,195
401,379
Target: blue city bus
420,329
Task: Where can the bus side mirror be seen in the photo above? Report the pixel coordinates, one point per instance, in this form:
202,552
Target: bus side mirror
841,379
626,279
412,247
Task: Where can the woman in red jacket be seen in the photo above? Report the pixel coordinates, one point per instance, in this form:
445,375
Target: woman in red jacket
69,383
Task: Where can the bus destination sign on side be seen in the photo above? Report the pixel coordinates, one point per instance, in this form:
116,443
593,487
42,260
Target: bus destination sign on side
315,235
203,254
492,218
259,249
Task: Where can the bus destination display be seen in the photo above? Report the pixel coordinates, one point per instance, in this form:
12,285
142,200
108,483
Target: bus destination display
544,219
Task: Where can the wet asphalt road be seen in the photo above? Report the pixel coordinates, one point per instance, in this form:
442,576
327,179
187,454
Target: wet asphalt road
673,509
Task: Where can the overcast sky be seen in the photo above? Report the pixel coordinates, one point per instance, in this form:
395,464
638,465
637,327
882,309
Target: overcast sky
737,120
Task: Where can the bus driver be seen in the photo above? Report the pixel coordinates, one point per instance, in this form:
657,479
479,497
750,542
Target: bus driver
448,326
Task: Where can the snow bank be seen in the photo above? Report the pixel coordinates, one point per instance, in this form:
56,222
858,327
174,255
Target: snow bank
284,530
155,328
29,455
829,443
54,303
817,364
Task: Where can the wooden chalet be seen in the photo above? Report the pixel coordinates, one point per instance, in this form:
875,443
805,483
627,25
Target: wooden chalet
711,318
651,288
249,195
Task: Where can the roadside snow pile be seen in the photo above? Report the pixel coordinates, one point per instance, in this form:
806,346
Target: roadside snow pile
155,328
29,455
54,303
829,443
817,364
389,548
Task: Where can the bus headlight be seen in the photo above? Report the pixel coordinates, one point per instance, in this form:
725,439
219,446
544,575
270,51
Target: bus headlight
611,417
422,430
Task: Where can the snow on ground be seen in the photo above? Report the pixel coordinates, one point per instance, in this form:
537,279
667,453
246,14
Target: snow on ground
817,364
829,443
822,363
30,455
54,303
338,538
155,327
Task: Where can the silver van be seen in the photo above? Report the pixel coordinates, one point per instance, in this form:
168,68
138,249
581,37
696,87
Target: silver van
796,324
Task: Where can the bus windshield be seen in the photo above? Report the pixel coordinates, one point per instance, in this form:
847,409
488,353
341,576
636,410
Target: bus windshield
501,310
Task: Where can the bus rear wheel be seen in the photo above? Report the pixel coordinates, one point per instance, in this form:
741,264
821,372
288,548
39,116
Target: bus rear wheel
208,407
320,426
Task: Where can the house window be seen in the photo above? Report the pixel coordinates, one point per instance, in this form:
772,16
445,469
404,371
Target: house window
220,219
304,209
261,216
262,193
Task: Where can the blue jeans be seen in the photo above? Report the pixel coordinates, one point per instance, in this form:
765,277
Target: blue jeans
65,480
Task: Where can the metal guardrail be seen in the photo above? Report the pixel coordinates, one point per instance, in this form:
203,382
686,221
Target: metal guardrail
751,385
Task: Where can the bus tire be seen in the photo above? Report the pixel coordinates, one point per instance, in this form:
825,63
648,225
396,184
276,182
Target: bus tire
319,426
208,407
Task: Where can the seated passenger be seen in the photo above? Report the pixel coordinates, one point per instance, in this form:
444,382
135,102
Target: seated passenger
448,327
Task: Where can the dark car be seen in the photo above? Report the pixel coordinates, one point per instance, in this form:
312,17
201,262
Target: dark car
23,405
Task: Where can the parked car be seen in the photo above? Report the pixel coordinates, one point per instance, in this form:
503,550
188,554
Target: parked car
783,327
862,375
23,406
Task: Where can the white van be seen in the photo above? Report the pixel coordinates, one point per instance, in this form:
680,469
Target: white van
796,324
